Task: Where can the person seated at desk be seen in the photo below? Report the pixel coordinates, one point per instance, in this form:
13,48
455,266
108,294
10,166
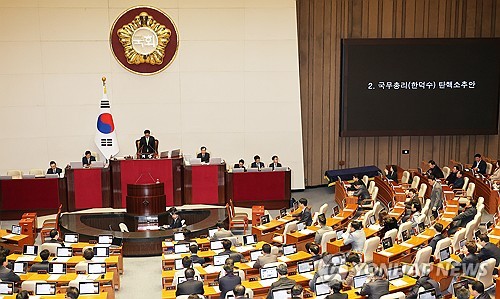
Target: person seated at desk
54,237
72,293
355,235
434,170
322,230
438,227
335,288
265,258
386,222
297,291
413,199
282,282
226,245
187,263
459,181
392,173
479,165
203,155
44,264
305,212
361,192
147,144
326,271
476,289
416,209
241,164
193,248
376,285
464,217
221,232
356,179
470,263
313,249
88,159
495,176
256,162
275,162
229,281
426,283
239,292
488,250
88,255
5,273
54,169
354,266
23,295
463,293
176,219
450,179
190,286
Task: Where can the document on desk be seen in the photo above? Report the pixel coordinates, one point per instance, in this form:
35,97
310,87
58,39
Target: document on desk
307,232
242,249
284,259
398,282
406,245
81,277
338,218
309,275
283,220
212,269
267,282
93,276
375,226
250,264
54,277
172,256
99,259
348,210
26,258
9,236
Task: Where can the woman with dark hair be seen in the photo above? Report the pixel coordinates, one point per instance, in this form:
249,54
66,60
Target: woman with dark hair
387,222
392,173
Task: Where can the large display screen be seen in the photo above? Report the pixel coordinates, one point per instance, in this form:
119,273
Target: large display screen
412,87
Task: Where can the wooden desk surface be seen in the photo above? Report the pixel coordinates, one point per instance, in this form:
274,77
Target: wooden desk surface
64,278
8,236
72,261
495,235
210,253
102,295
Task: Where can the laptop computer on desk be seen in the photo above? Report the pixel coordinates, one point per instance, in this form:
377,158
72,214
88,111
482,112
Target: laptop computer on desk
395,276
268,276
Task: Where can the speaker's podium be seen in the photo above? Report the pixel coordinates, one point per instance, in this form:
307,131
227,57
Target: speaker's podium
204,184
147,204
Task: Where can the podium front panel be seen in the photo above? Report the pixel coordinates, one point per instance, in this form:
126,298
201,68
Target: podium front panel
88,188
204,184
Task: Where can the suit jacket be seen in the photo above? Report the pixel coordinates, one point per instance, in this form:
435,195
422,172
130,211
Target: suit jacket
272,165
56,171
436,196
254,165
197,260
85,161
362,193
147,147
375,289
459,183
438,237
222,234
337,296
427,283
481,168
8,275
204,158
451,178
320,232
465,217
484,295
176,223
468,265
227,283
388,224
237,165
489,251
190,287
393,176
280,283
305,216
44,265
265,259
356,239
54,241
436,172
236,256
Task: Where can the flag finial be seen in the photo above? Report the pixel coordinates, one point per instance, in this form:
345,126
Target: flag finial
104,84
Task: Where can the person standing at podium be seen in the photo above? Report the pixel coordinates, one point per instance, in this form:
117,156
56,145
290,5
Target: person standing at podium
87,159
54,169
147,144
275,162
203,155
257,163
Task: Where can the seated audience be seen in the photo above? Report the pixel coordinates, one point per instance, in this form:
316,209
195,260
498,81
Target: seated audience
434,170
314,250
412,199
488,250
470,263
305,212
187,262
275,162
241,164
265,258
335,288
221,232
356,179
283,280
477,290
54,237
392,173
297,291
450,180
228,281
256,162
322,230
376,285
354,266
193,248
464,217
459,181
361,192
438,227
355,236
387,222
72,293
236,256
54,169
416,209
479,165
190,286
176,219
5,273
44,264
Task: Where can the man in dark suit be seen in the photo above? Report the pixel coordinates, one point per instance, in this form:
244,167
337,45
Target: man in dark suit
265,258
479,165
305,213
228,281
361,192
336,287
236,256
376,286
193,248
54,169
453,175
434,170
44,264
176,220
203,155
282,282
477,290
147,144
5,273
438,227
463,218
239,292
54,237
470,263
87,159
256,162
241,164
459,181
297,291
190,286
437,196
356,179
488,250
275,162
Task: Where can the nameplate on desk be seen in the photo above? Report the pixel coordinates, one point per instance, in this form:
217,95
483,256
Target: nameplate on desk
307,232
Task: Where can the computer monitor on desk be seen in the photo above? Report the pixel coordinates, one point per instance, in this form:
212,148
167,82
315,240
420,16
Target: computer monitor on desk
195,161
215,161
176,153
236,170
280,168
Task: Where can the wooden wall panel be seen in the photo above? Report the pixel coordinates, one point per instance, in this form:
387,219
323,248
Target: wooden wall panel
321,26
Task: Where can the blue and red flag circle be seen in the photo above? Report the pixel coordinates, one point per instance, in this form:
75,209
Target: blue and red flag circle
105,123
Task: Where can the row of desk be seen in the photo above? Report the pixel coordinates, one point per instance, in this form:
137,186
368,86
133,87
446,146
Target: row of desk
107,187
